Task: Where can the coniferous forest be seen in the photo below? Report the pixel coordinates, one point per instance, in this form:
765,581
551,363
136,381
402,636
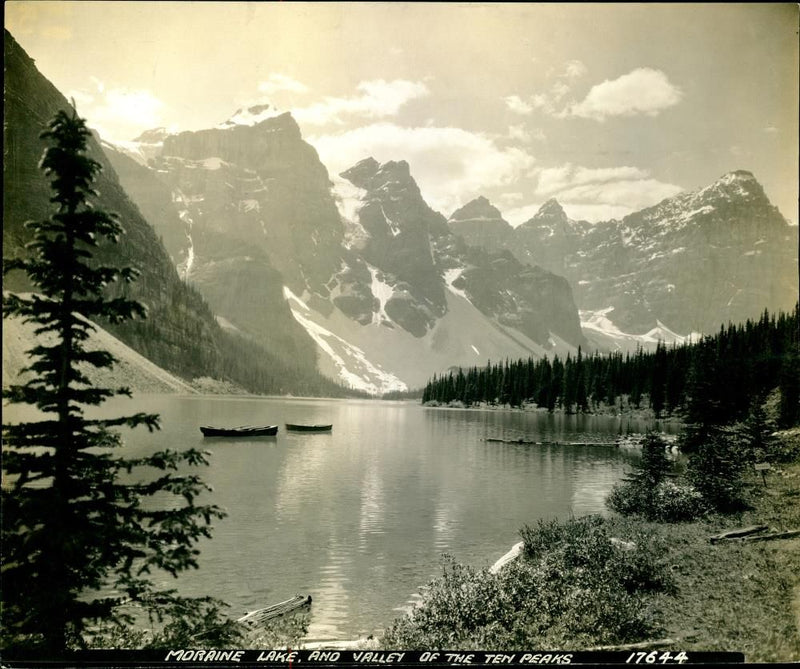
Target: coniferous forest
706,376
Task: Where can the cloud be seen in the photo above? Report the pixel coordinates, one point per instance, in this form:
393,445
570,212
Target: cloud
377,99
557,179
281,82
559,88
517,105
520,133
138,107
642,91
594,194
451,165
630,194
574,69
118,113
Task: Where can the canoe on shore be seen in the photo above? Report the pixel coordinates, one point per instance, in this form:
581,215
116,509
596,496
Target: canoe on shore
282,608
241,431
296,427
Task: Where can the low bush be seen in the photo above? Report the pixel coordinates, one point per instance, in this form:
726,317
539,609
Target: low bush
667,502
651,494
572,587
677,501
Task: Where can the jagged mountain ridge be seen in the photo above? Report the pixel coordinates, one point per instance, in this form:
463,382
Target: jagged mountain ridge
720,254
181,334
368,267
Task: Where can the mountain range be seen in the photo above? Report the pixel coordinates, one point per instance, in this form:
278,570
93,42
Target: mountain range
181,333
372,274
355,276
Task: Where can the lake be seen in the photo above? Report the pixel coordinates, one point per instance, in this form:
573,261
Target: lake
360,517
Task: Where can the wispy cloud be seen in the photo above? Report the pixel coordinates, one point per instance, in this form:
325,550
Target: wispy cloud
451,165
642,91
517,105
376,99
594,194
574,69
281,82
547,101
558,179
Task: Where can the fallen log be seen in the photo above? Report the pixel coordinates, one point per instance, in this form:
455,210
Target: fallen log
513,554
775,535
548,443
647,645
276,610
738,534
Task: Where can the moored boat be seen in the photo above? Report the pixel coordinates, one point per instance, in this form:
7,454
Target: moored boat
241,431
295,427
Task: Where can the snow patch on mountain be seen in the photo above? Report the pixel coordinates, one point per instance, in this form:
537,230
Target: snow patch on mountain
293,300
349,198
213,163
141,152
597,322
394,228
383,292
250,116
353,368
182,204
452,275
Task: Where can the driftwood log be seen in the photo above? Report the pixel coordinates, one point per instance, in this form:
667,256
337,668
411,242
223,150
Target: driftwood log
739,533
262,615
648,645
789,534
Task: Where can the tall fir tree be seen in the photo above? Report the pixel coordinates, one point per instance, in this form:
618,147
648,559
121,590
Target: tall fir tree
78,518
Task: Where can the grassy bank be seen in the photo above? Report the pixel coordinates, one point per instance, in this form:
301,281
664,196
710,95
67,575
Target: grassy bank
738,594
611,582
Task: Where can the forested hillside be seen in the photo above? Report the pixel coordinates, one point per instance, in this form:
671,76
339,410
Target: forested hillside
721,375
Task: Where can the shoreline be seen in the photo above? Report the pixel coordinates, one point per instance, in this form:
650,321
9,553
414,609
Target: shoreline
607,412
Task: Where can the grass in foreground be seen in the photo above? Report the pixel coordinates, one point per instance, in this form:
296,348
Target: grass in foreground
738,595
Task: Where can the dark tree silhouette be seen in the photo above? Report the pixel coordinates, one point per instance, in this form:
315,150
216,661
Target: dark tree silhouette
78,520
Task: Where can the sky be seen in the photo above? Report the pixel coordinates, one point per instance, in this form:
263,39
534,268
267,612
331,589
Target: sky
606,107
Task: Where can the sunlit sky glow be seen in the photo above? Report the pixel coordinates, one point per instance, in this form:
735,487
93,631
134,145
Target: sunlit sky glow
608,108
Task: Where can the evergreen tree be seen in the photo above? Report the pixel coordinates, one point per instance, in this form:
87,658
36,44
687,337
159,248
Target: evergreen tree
790,389
77,518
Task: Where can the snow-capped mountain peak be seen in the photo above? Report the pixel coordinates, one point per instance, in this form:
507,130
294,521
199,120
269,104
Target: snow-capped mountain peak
250,116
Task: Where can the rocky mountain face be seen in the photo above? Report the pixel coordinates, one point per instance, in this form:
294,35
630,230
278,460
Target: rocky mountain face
721,254
228,228
181,333
373,276
481,224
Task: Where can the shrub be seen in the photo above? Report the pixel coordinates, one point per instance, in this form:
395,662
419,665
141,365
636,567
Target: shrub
649,493
572,587
677,501
716,468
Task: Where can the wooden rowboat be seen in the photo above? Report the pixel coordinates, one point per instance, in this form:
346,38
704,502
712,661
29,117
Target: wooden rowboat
242,431
294,427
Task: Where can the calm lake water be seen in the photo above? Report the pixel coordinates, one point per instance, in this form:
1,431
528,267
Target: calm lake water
360,517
